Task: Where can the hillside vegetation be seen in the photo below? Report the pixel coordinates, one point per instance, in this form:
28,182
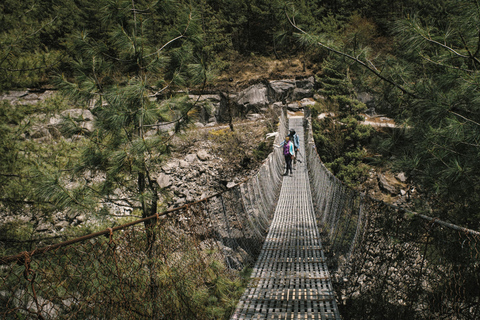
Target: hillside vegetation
127,61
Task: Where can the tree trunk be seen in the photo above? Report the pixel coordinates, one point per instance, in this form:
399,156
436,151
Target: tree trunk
150,243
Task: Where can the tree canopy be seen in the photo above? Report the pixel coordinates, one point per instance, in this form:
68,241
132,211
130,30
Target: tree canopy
419,58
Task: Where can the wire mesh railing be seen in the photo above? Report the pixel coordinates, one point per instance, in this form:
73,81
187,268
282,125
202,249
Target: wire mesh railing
388,263
174,265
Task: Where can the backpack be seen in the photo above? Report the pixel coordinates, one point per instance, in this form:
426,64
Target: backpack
286,148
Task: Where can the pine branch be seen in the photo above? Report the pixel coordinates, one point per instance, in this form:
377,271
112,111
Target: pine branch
438,158
373,70
428,39
468,50
10,175
174,39
446,66
477,6
117,202
159,91
464,118
26,37
32,69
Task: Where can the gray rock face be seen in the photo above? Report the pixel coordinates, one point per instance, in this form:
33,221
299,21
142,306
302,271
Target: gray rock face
389,184
26,96
171,166
61,224
253,97
184,164
281,90
401,177
220,108
191,157
78,114
304,88
203,155
56,120
307,83
14,95
212,106
164,181
300,93
43,226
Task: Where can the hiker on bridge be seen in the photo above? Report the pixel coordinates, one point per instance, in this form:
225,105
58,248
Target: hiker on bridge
289,154
296,144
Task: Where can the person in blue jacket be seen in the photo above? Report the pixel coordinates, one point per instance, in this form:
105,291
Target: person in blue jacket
296,144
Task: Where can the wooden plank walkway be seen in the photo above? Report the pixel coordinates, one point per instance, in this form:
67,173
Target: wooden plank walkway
290,279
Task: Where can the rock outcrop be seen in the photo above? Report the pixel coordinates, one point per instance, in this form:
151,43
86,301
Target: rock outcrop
254,99
187,178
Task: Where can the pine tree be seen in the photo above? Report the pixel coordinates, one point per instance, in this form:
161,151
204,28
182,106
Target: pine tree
340,138
122,77
431,85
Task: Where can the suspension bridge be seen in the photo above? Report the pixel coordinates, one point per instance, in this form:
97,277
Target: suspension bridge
290,279
319,250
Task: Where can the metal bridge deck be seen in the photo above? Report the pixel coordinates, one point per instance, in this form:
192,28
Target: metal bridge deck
290,279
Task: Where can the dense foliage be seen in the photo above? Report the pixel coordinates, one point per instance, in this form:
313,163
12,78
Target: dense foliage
125,59
339,137
419,58
425,75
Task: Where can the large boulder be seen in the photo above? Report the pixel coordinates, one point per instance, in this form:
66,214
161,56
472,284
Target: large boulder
171,166
253,98
307,83
304,88
164,180
203,155
192,157
26,97
281,90
390,184
212,107
299,93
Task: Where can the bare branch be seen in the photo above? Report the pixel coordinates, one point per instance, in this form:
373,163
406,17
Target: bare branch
373,70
